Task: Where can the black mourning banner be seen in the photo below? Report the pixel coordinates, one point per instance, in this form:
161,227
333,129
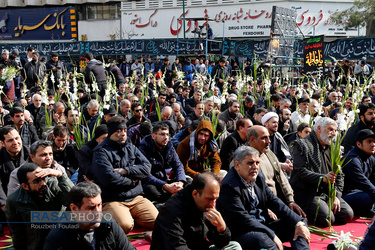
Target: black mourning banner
313,54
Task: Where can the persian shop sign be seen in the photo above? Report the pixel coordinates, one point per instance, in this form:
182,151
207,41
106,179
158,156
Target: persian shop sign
38,24
245,20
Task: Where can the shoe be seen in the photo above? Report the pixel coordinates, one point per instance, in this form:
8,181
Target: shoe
148,236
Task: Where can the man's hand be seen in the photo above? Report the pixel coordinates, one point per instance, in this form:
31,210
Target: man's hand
302,231
272,215
121,171
40,173
278,243
172,188
287,166
214,216
331,176
286,126
55,117
294,207
336,205
179,184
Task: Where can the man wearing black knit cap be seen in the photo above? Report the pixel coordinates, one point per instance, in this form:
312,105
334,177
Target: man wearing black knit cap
118,168
86,151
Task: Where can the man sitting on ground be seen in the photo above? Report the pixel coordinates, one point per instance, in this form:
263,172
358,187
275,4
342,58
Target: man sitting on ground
160,152
189,220
244,200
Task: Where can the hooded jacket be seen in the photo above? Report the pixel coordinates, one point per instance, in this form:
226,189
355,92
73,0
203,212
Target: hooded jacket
96,68
196,162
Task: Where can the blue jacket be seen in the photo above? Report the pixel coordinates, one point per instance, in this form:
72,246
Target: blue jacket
179,137
160,161
359,172
109,155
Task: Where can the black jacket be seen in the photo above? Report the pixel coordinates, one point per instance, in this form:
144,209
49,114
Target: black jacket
107,236
60,73
181,225
85,160
28,134
68,158
310,165
115,187
230,144
95,72
33,72
350,138
234,204
6,167
359,172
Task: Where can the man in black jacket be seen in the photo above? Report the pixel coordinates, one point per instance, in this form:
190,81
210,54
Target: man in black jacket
85,153
366,120
95,72
12,154
189,220
85,200
118,168
34,71
56,69
312,171
233,141
244,200
37,110
26,130
220,73
359,170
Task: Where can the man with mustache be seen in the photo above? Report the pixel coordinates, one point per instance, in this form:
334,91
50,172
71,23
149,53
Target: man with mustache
311,173
244,200
65,150
40,190
12,155
40,153
26,130
198,152
259,138
366,121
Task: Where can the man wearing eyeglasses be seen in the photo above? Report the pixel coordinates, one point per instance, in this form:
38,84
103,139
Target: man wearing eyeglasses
138,116
160,152
38,192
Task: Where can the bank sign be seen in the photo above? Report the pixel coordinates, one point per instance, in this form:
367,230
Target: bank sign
237,21
38,24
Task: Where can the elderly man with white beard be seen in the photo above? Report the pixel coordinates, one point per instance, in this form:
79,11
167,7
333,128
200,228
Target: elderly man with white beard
312,160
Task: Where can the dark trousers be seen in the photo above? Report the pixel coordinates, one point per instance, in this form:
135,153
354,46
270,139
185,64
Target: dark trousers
319,219
361,203
259,240
154,193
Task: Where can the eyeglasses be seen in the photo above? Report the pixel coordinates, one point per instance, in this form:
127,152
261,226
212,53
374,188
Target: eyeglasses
163,134
137,110
38,180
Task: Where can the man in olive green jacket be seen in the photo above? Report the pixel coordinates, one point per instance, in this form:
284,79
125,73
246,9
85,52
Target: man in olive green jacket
40,190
